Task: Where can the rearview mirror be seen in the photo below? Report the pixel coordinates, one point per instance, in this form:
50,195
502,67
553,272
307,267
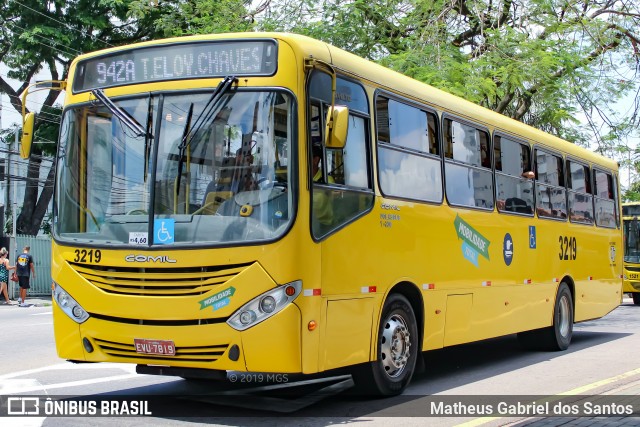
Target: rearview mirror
27,135
337,126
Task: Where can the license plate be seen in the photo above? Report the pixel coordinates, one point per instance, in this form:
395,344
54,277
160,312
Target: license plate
633,276
157,347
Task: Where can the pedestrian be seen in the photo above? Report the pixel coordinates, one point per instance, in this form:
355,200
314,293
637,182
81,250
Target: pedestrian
24,269
4,274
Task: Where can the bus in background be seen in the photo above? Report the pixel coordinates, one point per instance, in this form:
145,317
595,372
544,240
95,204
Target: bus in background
631,284
266,202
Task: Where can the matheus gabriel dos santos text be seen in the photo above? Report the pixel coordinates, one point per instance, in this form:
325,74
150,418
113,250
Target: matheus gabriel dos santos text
543,409
37,406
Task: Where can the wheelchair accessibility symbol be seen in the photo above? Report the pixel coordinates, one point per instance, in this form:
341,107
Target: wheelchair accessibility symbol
532,237
163,231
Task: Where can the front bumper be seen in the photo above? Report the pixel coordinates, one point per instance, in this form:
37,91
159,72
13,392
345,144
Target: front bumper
271,346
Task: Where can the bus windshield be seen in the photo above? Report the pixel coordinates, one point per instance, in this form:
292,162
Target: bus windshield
631,241
116,186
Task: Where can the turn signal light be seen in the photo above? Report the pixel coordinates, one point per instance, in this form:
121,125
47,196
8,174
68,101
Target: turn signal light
312,325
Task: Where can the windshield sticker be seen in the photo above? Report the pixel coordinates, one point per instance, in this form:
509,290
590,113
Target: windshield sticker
219,300
163,231
473,243
138,238
507,249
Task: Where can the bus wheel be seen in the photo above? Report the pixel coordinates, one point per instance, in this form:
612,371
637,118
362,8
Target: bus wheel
636,297
557,336
397,348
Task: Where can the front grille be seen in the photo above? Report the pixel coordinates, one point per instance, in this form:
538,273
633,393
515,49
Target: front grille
155,322
630,268
208,353
161,282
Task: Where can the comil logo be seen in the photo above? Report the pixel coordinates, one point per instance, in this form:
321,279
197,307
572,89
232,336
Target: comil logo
149,258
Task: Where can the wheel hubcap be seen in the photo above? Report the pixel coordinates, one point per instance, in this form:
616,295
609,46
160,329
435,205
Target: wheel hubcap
396,344
563,316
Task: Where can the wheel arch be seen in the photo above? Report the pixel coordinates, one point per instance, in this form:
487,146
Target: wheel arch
412,293
568,280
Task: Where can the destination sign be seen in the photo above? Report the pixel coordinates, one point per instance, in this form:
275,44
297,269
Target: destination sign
631,210
177,61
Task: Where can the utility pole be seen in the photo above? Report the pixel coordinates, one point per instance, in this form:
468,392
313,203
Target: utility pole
15,200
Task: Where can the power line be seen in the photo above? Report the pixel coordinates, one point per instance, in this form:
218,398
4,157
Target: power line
50,116
69,53
16,153
84,33
16,96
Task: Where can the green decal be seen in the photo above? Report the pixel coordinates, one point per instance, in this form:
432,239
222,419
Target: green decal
470,236
209,301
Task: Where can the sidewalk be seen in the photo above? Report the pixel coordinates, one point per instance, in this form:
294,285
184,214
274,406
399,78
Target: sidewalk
35,301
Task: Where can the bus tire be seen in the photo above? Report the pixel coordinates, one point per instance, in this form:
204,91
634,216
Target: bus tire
397,349
558,336
636,297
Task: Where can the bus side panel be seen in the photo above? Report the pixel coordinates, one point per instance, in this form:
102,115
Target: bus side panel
435,305
348,332
594,298
67,336
504,310
274,345
458,319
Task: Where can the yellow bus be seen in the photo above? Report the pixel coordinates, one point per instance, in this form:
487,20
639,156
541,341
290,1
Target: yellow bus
631,284
266,202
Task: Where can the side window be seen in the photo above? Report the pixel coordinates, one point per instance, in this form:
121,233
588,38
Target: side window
579,193
341,188
468,176
407,149
604,199
551,199
514,189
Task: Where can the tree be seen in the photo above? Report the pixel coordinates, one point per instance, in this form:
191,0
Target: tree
542,62
188,17
46,36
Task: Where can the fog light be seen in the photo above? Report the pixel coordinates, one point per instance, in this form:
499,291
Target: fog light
87,345
267,304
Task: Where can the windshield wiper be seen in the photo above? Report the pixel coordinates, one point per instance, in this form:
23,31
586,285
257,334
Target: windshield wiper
182,148
190,132
121,114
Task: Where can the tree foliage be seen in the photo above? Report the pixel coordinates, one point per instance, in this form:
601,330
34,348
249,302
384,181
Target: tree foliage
551,64
182,18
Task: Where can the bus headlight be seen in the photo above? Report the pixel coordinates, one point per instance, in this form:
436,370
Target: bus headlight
264,306
67,304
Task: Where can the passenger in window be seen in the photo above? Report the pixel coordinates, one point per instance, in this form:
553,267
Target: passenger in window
240,179
316,168
322,205
528,174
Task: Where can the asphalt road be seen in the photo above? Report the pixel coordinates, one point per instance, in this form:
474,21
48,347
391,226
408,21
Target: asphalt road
601,361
